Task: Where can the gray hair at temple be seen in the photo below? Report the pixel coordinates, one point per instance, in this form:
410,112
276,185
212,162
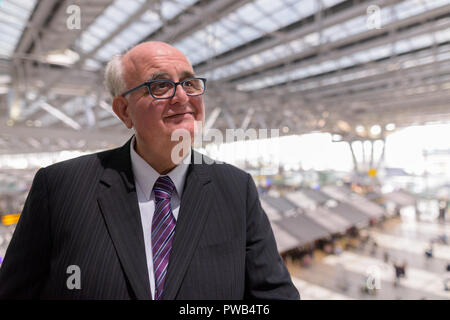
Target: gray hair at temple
114,80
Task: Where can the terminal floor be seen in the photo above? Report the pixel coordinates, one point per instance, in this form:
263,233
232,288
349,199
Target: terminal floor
405,240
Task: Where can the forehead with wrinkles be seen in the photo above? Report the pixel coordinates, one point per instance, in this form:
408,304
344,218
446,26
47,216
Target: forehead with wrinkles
147,55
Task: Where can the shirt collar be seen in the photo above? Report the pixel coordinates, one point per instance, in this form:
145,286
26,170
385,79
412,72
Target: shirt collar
145,176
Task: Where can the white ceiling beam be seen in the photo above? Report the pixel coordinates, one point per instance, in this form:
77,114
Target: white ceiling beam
60,115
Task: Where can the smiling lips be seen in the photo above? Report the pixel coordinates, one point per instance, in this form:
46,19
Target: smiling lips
179,115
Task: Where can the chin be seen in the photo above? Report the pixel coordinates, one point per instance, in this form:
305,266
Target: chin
186,126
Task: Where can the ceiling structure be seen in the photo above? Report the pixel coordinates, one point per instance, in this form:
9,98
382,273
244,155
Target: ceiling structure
294,65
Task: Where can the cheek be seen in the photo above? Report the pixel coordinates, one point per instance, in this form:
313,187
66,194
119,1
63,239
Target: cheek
147,117
199,107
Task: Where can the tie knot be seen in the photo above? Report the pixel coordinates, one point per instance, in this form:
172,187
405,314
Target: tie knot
163,188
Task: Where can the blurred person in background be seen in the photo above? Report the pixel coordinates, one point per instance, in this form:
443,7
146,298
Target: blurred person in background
135,223
443,205
447,277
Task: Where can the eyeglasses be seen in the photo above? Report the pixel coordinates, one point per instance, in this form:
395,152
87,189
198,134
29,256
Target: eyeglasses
165,89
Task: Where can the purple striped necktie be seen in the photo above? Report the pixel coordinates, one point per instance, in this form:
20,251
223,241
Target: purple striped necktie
163,227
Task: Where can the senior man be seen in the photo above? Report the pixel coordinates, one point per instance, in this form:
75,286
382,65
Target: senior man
135,222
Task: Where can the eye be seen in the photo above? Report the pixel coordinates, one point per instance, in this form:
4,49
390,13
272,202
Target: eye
161,85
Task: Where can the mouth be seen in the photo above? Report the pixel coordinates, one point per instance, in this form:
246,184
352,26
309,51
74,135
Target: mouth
179,115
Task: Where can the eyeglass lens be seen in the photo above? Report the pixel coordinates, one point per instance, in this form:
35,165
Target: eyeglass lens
165,89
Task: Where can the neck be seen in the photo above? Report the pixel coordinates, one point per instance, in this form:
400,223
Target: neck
160,158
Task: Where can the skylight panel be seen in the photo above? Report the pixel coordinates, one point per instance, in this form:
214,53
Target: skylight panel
312,39
183,47
305,7
107,52
232,39
286,16
330,3
381,52
10,8
248,33
7,39
249,13
361,57
267,24
24,4
201,36
231,22
356,25
98,32
128,7
331,33
13,20
431,4
219,30
314,69
150,16
268,55
443,35
280,78
115,16
9,19
421,41
269,6
88,42
126,37
328,66
296,45
186,3
13,32
91,64
402,46
170,9
281,50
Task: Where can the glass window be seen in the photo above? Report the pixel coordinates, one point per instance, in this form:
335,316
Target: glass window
249,13
269,6
170,9
13,18
285,16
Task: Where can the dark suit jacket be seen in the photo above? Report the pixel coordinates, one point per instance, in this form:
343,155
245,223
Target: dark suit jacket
85,212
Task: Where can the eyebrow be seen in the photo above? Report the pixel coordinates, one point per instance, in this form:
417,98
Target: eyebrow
165,75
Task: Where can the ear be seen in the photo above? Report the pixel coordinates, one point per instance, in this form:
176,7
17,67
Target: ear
120,108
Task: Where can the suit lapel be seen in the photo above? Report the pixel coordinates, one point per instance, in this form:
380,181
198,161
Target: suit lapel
194,208
119,205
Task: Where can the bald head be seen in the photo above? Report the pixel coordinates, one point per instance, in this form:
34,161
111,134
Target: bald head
145,55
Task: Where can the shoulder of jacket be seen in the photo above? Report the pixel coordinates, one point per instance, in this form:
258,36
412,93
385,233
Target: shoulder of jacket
223,168
79,163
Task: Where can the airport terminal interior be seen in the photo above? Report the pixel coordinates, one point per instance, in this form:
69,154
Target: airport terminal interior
339,109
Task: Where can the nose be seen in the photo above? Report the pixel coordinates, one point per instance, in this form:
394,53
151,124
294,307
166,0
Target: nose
180,96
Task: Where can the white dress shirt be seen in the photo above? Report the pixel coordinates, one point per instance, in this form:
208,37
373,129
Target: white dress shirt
145,177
